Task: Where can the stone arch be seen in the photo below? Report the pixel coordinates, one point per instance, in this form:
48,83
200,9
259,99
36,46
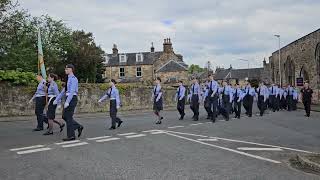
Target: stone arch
317,58
304,73
289,71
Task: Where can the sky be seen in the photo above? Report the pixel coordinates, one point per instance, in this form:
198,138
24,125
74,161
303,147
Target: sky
219,31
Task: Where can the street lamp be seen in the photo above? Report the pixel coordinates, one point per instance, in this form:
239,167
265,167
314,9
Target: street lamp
248,65
280,79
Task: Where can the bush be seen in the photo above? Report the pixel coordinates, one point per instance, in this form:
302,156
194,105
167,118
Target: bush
18,78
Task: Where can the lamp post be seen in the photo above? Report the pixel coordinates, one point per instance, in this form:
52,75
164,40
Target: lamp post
248,65
280,79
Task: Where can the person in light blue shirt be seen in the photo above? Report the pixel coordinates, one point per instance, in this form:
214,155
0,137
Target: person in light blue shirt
248,99
238,96
273,92
195,98
181,100
113,95
290,97
40,100
262,95
295,97
157,100
213,94
71,93
227,97
53,92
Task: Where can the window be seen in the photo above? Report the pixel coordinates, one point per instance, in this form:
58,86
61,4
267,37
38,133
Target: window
139,58
139,71
121,72
122,58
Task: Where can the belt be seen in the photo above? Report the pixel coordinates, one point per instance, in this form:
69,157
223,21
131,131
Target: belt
52,96
40,96
67,94
112,98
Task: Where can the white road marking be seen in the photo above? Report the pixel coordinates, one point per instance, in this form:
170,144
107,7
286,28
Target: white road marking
33,150
268,145
67,142
73,145
159,132
227,149
154,130
137,135
108,139
258,149
126,134
187,134
196,124
96,138
29,147
207,139
209,122
173,127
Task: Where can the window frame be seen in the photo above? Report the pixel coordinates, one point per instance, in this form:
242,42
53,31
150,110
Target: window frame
138,71
125,58
141,57
124,72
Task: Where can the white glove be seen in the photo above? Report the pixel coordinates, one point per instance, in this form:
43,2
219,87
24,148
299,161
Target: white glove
30,101
238,100
100,101
118,107
55,102
66,105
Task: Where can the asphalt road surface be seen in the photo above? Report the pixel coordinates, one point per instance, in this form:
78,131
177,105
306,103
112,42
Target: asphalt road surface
246,148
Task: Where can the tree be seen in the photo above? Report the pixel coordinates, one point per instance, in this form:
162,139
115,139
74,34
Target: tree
193,68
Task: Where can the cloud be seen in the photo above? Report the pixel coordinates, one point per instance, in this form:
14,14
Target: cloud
203,30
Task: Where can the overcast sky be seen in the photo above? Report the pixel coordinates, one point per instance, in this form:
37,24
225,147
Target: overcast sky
219,31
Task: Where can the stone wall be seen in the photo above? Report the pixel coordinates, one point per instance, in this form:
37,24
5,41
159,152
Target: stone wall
179,75
299,58
130,72
13,100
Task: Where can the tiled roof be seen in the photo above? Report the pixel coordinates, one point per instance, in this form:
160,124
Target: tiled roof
173,66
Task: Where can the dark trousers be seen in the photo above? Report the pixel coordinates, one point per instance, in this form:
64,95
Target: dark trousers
289,102
294,104
68,112
194,105
213,106
113,113
40,105
283,103
261,105
248,104
272,99
277,103
307,106
237,108
180,106
207,106
226,105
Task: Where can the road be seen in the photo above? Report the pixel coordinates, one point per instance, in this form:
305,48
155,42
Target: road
246,148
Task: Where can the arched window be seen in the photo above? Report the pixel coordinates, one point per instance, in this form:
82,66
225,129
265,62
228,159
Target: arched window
289,71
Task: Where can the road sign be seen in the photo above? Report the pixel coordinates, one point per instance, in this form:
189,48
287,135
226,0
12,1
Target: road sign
299,81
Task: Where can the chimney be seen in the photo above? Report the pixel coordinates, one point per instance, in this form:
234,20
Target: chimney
152,48
264,62
167,46
114,50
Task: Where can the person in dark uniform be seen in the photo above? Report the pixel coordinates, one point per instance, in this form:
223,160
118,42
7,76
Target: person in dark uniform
262,93
71,92
213,94
180,97
290,97
306,97
195,98
227,97
113,94
53,92
283,98
272,97
40,99
249,95
206,102
237,98
157,100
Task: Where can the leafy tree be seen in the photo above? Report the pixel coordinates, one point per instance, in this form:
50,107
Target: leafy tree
193,68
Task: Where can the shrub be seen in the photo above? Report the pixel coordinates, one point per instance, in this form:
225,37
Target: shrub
18,77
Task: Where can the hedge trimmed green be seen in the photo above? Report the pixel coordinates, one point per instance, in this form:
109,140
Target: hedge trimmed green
18,78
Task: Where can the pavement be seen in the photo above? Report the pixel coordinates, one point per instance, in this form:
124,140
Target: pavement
246,148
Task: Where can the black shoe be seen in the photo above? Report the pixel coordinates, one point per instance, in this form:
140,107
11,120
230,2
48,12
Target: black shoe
119,123
158,122
208,117
161,118
38,129
112,128
250,115
61,127
80,129
180,118
48,133
238,117
69,139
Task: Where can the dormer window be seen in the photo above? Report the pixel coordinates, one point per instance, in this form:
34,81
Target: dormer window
139,58
122,58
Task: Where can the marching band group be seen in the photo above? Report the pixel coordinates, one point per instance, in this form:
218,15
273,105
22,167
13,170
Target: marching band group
224,99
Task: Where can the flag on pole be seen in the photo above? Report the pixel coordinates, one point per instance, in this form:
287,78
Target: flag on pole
41,66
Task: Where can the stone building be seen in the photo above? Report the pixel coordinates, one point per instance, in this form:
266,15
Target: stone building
146,66
299,59
254,75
